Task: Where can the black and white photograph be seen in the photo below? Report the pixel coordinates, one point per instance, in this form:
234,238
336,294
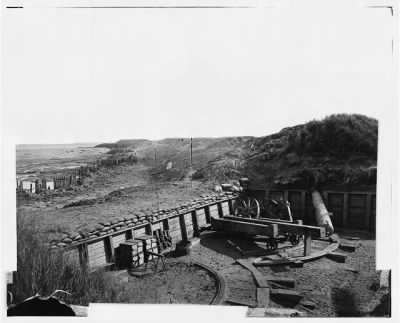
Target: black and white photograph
191,161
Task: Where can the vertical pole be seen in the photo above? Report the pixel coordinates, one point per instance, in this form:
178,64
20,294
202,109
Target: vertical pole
83,255
196,230
110,251
230,204
166,225
220,211
129,235
191,162
155,166
368,211
149,229
345,208
183,227
207,213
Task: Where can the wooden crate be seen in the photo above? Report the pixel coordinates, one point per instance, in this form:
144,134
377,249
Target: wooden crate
130,252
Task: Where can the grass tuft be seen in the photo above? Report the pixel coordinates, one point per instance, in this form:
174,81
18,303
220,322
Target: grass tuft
42,271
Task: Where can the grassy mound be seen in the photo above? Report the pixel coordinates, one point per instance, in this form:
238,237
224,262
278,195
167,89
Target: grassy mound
341,136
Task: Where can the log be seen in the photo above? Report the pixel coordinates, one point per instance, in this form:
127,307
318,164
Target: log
287,282
297,264
321,213
347,247
308,304
339,257
286,295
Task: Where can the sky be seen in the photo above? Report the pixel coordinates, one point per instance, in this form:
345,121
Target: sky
92,75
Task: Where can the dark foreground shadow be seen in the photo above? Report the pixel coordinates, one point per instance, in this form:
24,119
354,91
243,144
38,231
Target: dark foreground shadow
344,303
38,306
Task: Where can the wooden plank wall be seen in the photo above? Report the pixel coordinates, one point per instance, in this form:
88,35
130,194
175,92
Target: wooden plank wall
354,210
100,252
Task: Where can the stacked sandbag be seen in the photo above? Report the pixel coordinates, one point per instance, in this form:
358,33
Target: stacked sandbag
135,218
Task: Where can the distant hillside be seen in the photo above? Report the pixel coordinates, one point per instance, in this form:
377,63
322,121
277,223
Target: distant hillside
126,143
338,151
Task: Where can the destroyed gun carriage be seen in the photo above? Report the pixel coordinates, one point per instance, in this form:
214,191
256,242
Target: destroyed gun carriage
249,207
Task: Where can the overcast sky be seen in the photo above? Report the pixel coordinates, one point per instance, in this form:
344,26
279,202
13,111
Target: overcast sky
101,75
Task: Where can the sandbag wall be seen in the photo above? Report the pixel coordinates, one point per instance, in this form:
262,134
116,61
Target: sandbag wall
98,247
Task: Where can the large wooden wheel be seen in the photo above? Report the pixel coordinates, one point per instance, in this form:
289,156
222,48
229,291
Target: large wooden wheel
248,208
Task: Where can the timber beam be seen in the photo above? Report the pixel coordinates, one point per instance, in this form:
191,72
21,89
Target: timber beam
284,227
270,230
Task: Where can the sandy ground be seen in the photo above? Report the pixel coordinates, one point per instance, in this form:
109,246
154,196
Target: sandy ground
180,283
333,287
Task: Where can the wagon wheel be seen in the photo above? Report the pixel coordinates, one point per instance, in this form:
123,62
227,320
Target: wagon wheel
248,208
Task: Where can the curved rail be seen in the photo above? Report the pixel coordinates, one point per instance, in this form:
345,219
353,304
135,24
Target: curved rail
331,247
221,284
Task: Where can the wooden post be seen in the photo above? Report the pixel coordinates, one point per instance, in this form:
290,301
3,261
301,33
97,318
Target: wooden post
165,225
345,208
307,243
183,227
207,213
83,255
129,235
230,206
368,211
220,211
149,229
196,231
303,204
110,251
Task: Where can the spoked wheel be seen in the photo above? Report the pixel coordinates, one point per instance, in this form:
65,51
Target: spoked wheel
248,208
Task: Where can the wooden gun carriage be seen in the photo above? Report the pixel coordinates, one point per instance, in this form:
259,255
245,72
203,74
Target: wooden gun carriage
270,220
